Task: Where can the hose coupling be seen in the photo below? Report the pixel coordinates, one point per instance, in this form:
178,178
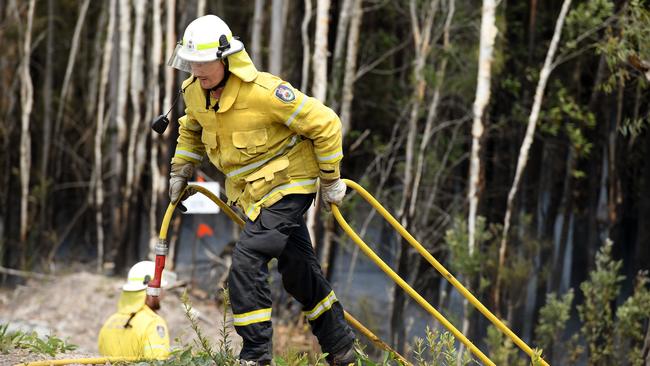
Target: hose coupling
153,291
162,248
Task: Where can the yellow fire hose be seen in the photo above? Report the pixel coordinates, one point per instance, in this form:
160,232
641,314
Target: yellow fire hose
443,271
164,228
378,261
83,361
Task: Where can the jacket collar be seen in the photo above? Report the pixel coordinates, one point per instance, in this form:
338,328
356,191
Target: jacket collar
241,65
229,93
131,301
241,69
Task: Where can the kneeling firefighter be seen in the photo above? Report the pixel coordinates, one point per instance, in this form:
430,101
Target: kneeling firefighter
273,143
136,330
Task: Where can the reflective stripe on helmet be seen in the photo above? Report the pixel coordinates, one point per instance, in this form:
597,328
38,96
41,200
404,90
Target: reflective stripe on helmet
207,46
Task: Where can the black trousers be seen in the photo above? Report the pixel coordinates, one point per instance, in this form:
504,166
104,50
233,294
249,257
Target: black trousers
280,232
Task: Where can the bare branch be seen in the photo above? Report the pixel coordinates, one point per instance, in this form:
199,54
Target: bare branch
15,272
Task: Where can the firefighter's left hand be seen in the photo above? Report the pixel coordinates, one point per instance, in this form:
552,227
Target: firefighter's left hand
332,191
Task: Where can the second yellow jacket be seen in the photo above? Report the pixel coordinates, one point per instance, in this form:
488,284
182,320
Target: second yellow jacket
134,330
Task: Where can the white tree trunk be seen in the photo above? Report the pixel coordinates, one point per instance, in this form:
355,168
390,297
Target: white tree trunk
319,87
95,69
72,56
99,135
200,7
123,79
136,88
528,138
119,138
433,109
27,101
161,171
422,43
256,39
306,47
486,49
421,32
342,30
488,34
47,119
351,65
334,95
154,103
276,45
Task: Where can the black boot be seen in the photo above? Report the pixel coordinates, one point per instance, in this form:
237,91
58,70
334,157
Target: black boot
344,357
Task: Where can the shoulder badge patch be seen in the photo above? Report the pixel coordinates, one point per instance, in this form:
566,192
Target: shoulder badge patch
284,93
161,331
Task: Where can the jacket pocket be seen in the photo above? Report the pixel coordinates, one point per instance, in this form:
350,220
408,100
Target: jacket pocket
251,143
268,177
303,160
209,139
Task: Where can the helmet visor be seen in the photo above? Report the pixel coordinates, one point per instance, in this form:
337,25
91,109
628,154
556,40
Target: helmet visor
177,62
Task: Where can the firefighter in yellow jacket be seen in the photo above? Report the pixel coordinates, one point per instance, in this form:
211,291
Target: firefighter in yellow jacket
276,146
135,330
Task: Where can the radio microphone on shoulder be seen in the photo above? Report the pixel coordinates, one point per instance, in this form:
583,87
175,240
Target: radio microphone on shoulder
161,122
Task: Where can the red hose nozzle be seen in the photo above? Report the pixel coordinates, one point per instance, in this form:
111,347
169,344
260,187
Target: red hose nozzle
153,288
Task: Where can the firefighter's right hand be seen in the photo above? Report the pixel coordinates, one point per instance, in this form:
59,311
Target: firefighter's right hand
180,174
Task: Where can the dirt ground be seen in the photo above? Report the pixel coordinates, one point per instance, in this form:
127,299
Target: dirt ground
74,306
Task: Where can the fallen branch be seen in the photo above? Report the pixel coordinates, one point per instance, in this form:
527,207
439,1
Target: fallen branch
27,274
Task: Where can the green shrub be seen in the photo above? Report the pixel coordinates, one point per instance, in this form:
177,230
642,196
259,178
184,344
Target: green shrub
633,317
502,350
553,317
596,313
50,345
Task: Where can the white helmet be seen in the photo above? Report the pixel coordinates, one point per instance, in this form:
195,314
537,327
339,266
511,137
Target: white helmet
143,272
206,39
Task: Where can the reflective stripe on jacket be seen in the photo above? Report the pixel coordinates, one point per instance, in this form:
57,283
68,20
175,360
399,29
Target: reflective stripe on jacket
268,138
134,331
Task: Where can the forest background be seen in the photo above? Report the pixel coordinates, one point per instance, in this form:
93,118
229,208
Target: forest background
509,137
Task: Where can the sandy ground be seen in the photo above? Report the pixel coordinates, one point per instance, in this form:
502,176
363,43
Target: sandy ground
74,307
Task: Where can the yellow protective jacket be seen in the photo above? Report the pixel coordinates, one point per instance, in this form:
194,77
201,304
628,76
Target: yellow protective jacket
134,331
268,138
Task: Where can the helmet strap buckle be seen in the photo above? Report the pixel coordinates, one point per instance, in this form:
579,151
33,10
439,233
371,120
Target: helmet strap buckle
224,45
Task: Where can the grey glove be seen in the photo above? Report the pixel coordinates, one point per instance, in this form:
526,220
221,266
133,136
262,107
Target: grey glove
180,174
332,191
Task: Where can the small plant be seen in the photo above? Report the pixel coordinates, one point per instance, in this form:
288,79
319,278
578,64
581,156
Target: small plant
633,317
224,343
299,359
536,360
553,317
224,356
9,340
439,348
51,345
502,350
596,313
